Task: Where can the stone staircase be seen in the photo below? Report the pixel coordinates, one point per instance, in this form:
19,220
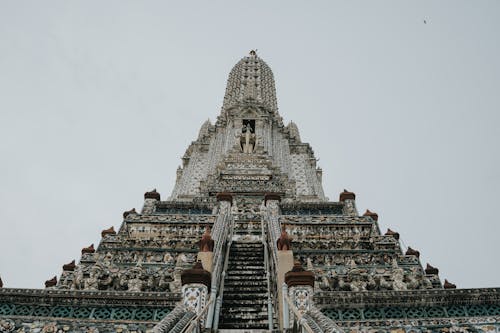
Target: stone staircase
244,305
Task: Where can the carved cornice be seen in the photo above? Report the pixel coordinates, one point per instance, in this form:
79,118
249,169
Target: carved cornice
301,148
341,299
78,297
311,205
181,204
172,218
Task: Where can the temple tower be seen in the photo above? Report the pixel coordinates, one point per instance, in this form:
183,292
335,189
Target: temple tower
247,241
249,145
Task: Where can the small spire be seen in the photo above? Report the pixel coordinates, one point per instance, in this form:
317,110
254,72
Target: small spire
253,52
412,252
69,266
392,233
51,283
347,195
448,285
430,270
128,212
109,231
373,215
89,249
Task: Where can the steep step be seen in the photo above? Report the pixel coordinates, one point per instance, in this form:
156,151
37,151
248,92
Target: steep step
244,305
257,274
246,331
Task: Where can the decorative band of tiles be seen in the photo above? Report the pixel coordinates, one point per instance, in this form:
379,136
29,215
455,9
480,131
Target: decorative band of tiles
413,312
102,313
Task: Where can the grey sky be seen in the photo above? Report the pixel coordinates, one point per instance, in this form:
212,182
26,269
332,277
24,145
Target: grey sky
98,101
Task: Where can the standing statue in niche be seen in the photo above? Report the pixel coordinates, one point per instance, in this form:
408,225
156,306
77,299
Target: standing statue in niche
247,139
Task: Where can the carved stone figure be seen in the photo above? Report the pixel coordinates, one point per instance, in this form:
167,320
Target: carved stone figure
371,284
120,281
397,279
247,139
78,282
425,283
7,325
135,283
357,284
325,283
343,285
411,279
92,282
382,283
167,258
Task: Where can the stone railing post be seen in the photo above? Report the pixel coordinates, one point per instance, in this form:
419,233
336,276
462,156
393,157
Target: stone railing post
281,247
150,200
196,284
300,289
284,309
349,200
214,258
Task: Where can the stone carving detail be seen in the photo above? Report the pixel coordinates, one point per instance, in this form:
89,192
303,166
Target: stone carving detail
247,140
7,325
194,296
301,297
248,96
245,177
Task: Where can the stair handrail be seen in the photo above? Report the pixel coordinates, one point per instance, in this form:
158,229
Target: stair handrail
193,323
269,273
271,230
222,231
301,320
273,233
220,293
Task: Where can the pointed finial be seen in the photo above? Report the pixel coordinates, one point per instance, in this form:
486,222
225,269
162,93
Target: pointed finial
152,195
89,249
412,252
371,214
109,231
430,270
253,52
70,267
51,283
347,195
128,212
392,233
448,285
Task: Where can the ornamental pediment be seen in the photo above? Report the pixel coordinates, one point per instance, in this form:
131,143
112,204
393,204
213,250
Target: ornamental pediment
249,110
246,177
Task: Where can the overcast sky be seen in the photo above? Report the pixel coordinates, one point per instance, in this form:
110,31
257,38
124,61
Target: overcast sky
399,99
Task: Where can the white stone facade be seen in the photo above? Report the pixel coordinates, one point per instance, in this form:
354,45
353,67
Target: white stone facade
250,98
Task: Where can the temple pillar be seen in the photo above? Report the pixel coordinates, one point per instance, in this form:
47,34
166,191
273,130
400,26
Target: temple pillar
150,200
349,200
196,284
299,284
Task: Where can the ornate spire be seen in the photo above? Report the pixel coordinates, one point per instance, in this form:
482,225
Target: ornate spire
250,80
